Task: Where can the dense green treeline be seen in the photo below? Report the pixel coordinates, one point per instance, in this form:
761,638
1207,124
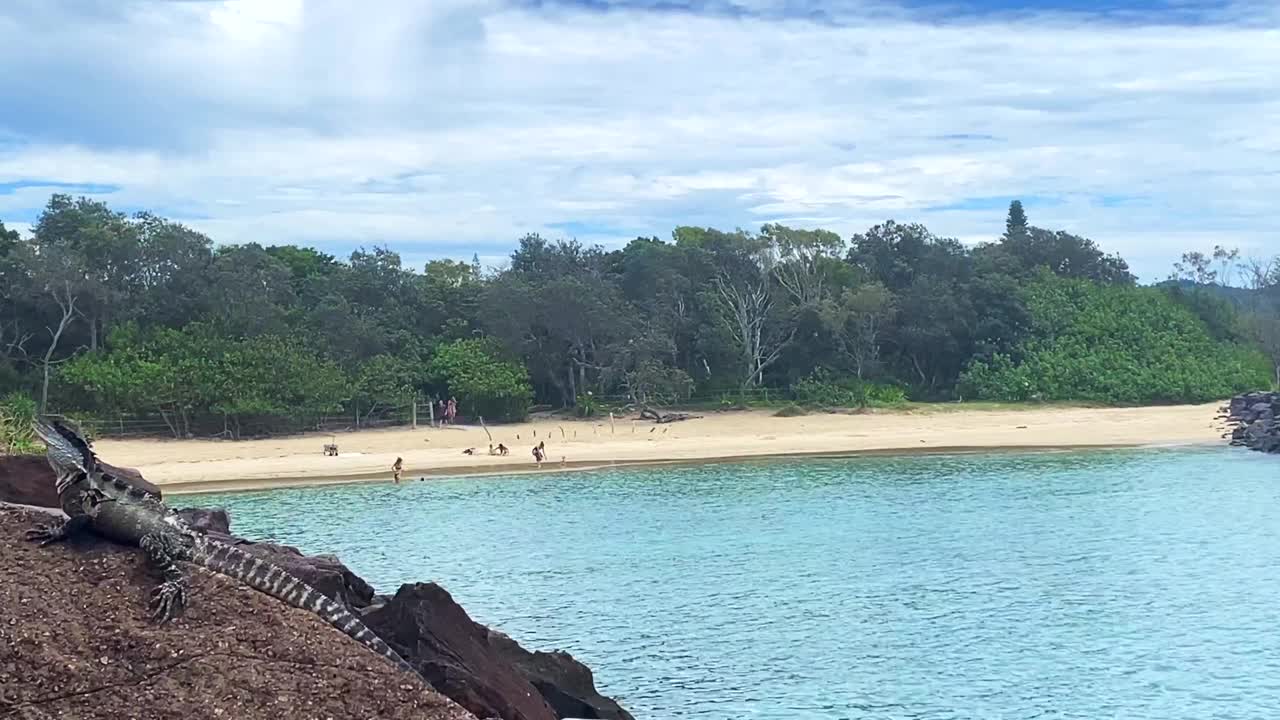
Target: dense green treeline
108,314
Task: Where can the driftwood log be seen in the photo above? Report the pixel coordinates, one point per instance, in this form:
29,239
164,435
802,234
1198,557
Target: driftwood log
649,413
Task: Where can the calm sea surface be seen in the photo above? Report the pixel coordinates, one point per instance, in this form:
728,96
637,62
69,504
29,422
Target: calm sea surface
1117,584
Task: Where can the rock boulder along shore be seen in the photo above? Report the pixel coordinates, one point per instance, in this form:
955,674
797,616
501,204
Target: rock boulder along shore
483,671
1253,421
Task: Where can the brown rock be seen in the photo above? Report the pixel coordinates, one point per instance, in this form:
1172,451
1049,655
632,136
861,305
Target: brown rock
484,670
75,642
455,654
566,684
325,573
207,520
28,480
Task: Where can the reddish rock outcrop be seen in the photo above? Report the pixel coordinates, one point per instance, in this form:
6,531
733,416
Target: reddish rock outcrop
453,653
325,573
28,480
566,684
484,671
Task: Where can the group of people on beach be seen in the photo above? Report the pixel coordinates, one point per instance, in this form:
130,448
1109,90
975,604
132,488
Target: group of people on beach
448,412
539,455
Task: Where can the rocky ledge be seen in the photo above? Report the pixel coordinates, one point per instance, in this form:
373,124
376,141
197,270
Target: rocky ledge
80,606
75,642
1253,421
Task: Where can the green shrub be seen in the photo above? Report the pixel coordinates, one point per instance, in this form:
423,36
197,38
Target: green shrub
822,389
1115,344
17,417
586,405
884,395
485,384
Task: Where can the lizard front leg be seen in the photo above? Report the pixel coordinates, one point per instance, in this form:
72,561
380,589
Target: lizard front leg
170,596
58,532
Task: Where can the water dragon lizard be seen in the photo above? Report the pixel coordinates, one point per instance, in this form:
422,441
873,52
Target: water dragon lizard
97,501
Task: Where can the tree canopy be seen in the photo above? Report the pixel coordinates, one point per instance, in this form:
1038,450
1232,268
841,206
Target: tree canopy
110,314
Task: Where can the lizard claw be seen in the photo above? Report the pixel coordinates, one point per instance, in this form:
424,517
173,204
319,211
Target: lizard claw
167,600
46,534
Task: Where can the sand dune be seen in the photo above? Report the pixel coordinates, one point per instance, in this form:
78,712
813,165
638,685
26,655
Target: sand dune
206,465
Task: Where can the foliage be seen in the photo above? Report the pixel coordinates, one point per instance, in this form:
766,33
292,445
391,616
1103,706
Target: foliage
652,382
587,406
485,384
389,381
191,373
822,389
1114,344
1221,319
17,418
110,315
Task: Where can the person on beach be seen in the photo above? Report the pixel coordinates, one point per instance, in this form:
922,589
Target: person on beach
452,409
444,412
396,469
502,449
537,454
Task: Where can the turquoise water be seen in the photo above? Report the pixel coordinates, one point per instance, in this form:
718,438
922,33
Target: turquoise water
1118,584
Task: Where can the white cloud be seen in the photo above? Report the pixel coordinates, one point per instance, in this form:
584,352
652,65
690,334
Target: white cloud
453,127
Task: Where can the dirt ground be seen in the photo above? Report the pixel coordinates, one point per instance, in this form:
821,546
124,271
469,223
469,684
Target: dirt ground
75,642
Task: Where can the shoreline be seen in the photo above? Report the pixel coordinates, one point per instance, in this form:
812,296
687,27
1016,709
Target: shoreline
205,487
202,466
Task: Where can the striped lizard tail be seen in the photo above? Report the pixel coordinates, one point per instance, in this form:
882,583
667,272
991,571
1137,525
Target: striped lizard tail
265,576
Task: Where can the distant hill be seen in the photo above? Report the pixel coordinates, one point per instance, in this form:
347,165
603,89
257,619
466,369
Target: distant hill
1237,295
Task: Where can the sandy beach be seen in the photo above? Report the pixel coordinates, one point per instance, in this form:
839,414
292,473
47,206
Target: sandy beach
213,465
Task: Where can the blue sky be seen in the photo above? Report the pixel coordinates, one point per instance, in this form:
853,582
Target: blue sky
449,128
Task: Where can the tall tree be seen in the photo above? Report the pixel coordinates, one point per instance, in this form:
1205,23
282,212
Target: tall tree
746,307
61,278
859,320
1015,225
103,246
805,260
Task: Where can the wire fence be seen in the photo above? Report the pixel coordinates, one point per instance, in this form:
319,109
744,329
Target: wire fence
209,425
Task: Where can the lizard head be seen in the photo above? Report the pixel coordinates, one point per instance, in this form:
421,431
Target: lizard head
67,448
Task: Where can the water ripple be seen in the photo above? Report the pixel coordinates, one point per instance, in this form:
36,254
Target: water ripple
1117,584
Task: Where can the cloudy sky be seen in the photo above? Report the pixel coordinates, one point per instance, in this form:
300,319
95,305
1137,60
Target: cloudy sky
452,127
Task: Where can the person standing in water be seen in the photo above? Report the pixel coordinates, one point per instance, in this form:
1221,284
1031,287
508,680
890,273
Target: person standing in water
397,469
